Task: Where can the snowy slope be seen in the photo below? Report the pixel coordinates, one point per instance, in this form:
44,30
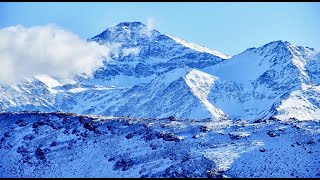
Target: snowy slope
200,48
301,104
141,54
200,85
71,145
31,94
179,92
264,77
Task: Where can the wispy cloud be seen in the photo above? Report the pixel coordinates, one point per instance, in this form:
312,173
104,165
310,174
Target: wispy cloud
131,51
150,23
26,52
150,26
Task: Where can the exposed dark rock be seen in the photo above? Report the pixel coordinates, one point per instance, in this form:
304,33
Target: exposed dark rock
293,119
298,143
29,137
274,133
160,134
53,143
171,118
84,134
260,121
71,143
38,123
310,142
235,136
148,136
204,128
75,131
21,123
170,137
40,154
7,134
111,159
129,136
123,164
55,125
273,118
262,150
22,150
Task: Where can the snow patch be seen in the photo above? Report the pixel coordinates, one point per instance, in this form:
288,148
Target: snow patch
199,48
224,155
131,51
200,84
76,90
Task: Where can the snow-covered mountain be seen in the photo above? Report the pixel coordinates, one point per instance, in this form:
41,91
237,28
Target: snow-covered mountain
182,92
154,75
31,94
140,54
265,78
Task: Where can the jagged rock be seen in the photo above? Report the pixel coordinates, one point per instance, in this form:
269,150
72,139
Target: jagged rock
90,126
123,164
21,123
204,128
40,154
170,137
29,137
171,118
262,150
53,144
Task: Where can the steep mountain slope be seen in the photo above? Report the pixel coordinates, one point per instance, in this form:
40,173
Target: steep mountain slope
140,54
263,78
181,92
301,104
31,94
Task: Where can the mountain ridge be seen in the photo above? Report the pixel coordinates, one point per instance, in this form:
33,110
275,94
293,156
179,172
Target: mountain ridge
258,83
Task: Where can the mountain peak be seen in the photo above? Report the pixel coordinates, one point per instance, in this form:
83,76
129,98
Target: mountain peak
277,44
285,46
131,24
273,45
125,32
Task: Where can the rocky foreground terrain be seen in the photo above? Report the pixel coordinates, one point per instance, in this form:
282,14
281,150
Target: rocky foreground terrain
34,144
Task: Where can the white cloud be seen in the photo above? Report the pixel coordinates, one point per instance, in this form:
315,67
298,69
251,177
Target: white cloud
150,26
114,49
27,52
134,51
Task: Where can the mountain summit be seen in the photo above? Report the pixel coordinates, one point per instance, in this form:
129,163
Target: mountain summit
141,54
126,32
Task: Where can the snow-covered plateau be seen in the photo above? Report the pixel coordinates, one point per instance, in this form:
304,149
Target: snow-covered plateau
254,114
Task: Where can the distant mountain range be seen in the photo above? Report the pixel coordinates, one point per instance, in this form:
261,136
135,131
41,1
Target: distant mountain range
154,75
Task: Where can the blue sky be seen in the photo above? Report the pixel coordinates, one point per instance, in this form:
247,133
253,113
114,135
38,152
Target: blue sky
227,27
